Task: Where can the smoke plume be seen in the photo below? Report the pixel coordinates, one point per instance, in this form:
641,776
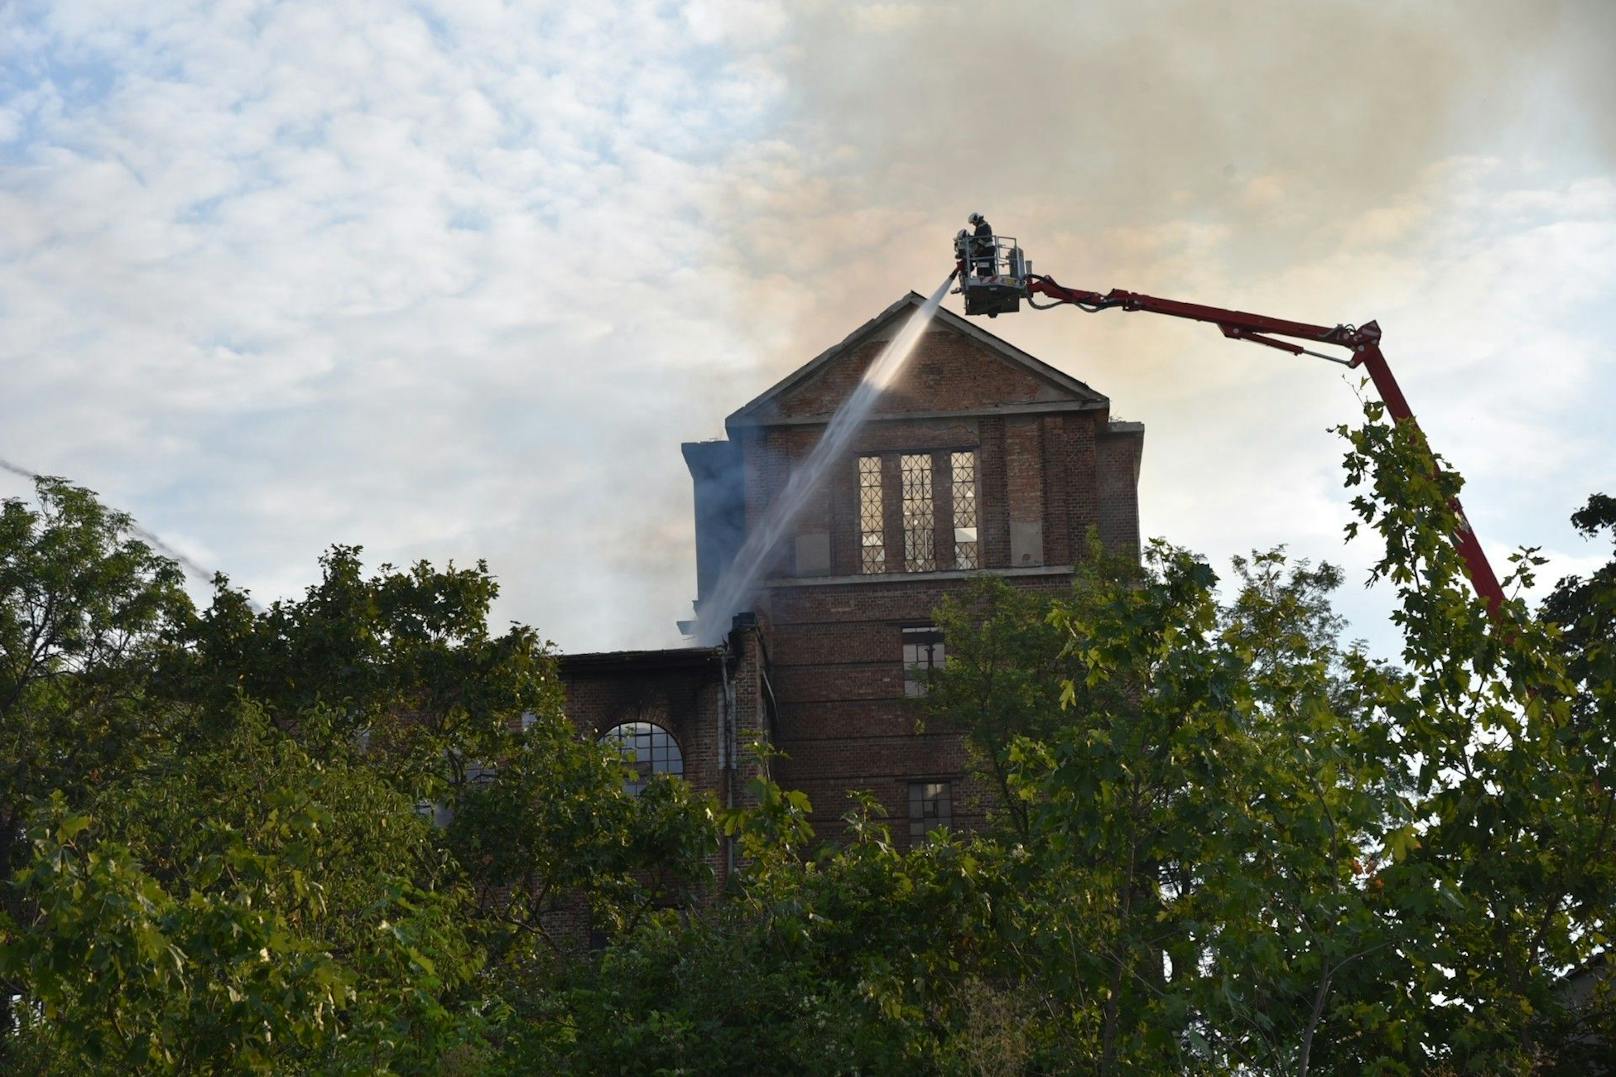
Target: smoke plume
1328,162
1160,145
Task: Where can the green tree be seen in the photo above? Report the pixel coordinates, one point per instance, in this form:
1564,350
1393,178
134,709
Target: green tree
82,606
1584,610
1505,875
403,664
221,856
1224,839
1003,657
246,908
859,958
557,830
403,661
1190,886
1181,884
1246,845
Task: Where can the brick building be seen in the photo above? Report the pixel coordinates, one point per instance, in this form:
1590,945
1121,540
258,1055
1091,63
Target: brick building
979,459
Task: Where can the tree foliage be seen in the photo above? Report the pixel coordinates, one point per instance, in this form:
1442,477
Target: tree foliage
220,853
1221,837
1506,881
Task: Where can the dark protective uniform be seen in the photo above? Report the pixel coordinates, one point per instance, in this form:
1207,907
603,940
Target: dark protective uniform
982,248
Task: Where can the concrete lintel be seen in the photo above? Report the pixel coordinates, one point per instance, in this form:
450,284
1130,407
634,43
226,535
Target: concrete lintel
920,577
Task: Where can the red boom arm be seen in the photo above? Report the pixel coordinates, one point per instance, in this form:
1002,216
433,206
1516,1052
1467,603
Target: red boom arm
1364,341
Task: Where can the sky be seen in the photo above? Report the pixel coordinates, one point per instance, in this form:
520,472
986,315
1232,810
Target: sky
453,279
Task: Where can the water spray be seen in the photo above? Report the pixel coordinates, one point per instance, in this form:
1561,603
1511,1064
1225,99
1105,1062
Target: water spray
196,571
739,582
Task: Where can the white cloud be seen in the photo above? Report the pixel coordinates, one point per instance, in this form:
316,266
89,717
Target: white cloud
454,279
294,274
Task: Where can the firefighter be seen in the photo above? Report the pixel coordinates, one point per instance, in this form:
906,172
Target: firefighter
982,245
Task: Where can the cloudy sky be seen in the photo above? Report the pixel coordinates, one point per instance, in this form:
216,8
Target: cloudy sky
452,279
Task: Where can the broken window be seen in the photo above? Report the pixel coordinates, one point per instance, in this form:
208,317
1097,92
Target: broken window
922,656
872,513
919,523
930,806
962,470
648,749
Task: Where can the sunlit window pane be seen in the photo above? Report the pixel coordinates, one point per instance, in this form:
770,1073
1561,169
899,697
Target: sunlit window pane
872,513
962,469
919,521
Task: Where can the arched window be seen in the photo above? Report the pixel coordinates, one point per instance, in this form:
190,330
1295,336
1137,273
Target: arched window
648,748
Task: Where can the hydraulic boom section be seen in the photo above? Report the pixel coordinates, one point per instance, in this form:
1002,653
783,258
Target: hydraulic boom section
994,277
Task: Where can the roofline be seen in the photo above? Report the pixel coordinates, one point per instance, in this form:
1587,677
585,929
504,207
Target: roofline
849,341
1046,407
701,454
616,661
745,414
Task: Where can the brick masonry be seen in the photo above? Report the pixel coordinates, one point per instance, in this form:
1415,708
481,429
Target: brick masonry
711,699
822,674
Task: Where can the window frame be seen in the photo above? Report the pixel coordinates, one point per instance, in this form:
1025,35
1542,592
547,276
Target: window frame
964,508
636,779
931,807
918,491
872,506
931,654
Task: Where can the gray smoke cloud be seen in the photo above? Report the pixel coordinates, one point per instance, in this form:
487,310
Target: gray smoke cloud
1083,126
1443,167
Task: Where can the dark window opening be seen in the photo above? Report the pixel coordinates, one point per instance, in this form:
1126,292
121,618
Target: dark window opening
930,806
922,656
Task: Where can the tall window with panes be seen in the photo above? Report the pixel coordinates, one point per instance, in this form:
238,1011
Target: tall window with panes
872,516
931,805
962,472
920,537
923,655
919,524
